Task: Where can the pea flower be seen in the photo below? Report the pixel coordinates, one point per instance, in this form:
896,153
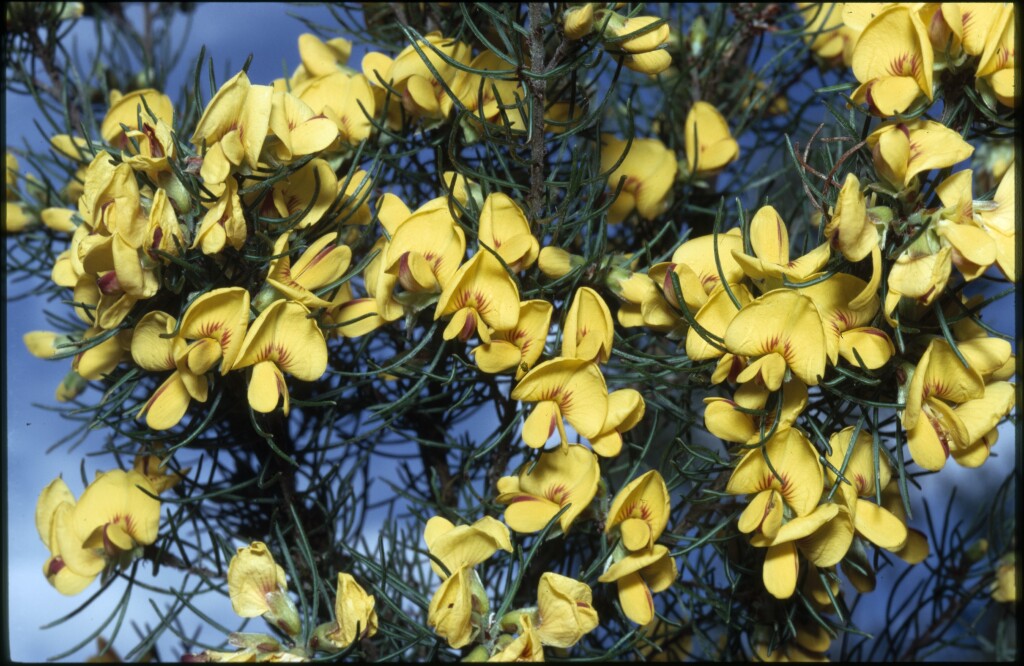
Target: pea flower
639,45
825,32
564,389
519,347
211,331
224,222
115,515
282,339
461,595
902,150
997,63
481,297
732,420
783,331
526,647
355,617
846,332
258,587
626,409
649,169
236,121
564,610
973,249
423,95
293,195
996,218
322,263
557,480
695,266
640,511
296,129
893,61
935,429
638,576
588,329
53,509
710,147
796,481
505,229
855,458
769,240
422,257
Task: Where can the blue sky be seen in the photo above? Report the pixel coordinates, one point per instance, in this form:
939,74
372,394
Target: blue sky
230,32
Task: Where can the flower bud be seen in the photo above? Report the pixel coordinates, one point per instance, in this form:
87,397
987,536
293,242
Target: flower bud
578,21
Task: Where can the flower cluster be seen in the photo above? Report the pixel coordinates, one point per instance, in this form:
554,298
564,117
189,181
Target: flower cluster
262,244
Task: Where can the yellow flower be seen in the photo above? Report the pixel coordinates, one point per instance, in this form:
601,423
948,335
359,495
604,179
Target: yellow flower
855,459
694,263
258,587
626,409
297,129
341,98
578,21
902,150
505,229
519,347
237,118
323,262
797,480
587,332
965,429
128,109
481,297
563,388
642,52
113,517
451,608
355,617
526,647
541,490
223,223
422,94
320,58
282,339
489,97
709,145
1004,587
732,420
997,219
769,240
997,63
423,255
638,575
893,61
640,511
846,333
783,330
649,169
57,499
292,196
823,536
457,608
211,331
564,611
850,229
826,33
973,249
